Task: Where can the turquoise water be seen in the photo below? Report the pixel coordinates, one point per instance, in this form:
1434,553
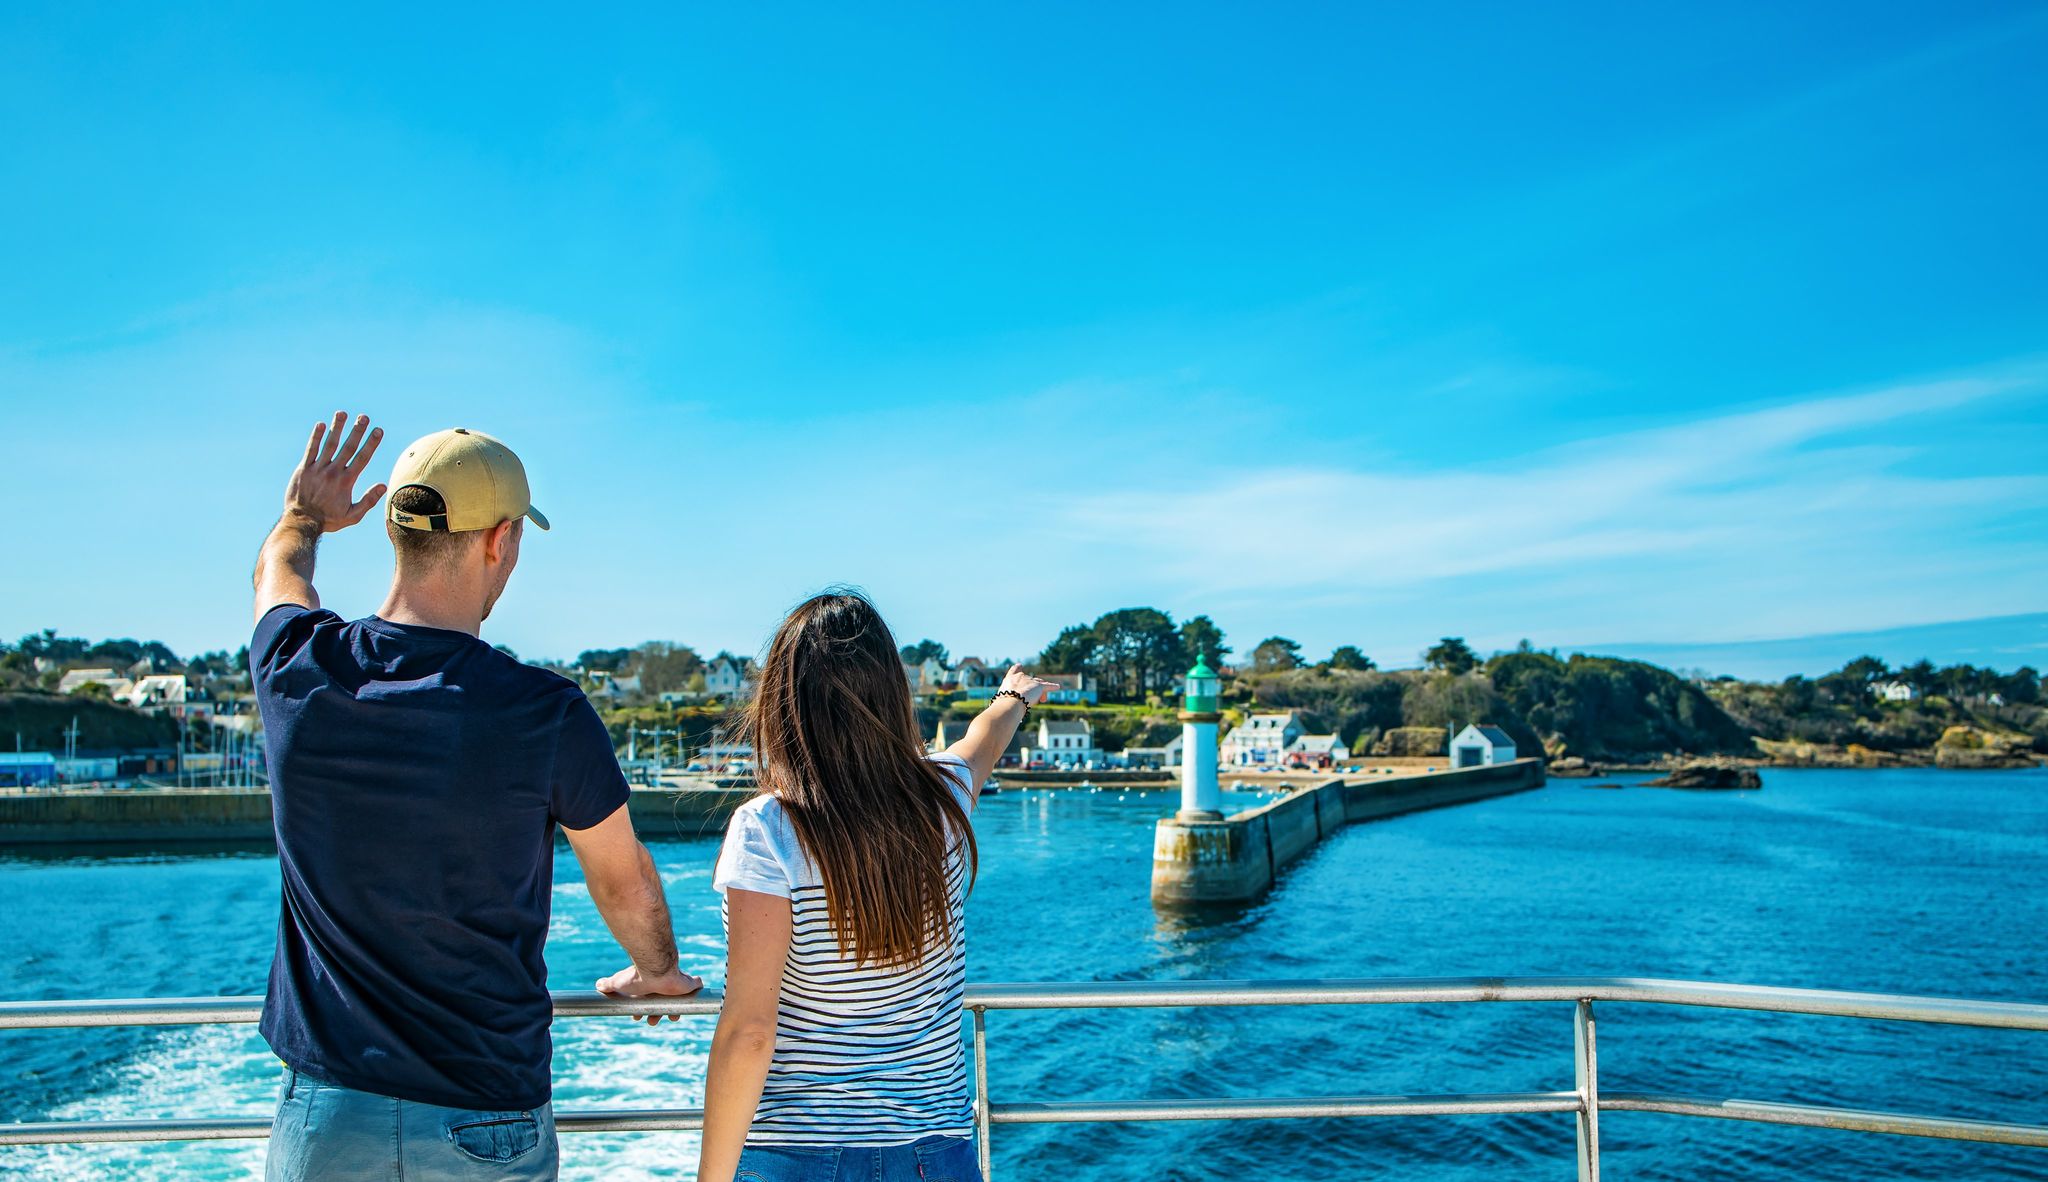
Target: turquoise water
1906,881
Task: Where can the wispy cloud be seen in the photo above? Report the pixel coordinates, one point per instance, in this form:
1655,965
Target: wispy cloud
1780,476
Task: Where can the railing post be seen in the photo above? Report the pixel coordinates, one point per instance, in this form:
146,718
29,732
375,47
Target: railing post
1586,1074
981,1122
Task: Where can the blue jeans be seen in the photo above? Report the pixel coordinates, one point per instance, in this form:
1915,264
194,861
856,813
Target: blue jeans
933,1159
327,1133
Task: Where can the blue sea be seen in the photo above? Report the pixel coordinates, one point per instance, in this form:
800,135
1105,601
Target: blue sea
1906,881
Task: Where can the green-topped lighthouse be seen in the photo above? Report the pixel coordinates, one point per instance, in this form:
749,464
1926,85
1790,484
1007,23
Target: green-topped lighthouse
1201,799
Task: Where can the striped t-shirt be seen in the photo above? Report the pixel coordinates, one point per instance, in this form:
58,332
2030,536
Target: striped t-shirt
863,1055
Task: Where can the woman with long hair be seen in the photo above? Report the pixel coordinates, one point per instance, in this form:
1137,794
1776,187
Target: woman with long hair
838,1052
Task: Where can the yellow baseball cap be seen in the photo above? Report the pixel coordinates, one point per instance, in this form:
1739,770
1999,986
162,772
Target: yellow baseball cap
480,481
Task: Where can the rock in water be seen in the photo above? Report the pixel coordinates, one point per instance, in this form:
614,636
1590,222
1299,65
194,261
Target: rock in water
1709,775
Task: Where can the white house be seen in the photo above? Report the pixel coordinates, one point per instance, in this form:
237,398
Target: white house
949,732
1317,751
1153,757
1263,739
1063,741
78,679
1075,689
976,678
1894,691
613,688
927,676
1481,745
726,677
159,691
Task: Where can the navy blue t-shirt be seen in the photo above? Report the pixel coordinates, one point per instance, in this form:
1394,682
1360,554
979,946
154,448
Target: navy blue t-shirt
417,776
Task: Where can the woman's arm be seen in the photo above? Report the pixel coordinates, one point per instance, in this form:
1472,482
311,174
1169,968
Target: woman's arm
757,948
989,735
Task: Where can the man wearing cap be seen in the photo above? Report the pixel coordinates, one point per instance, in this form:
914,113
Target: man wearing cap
418,776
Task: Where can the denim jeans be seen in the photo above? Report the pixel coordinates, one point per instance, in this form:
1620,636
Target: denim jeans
933,1159
328,1133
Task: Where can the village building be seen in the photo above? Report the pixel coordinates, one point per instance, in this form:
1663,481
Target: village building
1152,758
1482,745
1894,691
613,688
78,679
727,677
976,678
1063,742
1075,689
1317,751
27,769
1263,739
168,693
948,732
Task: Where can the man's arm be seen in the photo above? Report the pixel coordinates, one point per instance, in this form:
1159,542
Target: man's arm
627,890
318,499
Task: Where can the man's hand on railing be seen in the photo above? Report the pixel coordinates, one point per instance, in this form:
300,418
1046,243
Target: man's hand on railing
633,983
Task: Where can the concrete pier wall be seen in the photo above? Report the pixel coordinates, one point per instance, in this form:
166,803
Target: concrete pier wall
167,818
1236,859
118,817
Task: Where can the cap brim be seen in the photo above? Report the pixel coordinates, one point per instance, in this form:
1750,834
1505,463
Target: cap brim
534,515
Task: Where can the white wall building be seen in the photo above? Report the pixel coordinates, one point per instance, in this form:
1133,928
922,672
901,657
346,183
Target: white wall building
1262,740
78,679
977,679
161,692
1317,751
1075,689
726,677
613,688
1481,745
1063,741
1894,691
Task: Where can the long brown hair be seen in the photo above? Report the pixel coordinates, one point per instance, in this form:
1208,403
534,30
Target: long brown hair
836,740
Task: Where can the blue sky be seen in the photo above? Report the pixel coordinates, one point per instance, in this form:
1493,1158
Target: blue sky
1590,324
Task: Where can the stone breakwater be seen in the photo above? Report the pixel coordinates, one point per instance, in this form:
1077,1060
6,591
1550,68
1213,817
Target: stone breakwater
1236,859
170,817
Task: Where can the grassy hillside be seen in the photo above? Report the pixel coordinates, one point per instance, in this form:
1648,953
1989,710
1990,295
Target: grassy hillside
41,718
1600,709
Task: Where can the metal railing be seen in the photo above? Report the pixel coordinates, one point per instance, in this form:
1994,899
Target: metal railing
1586,1100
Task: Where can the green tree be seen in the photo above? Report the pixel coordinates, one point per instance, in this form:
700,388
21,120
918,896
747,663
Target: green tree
1865,670
1139,651
604,660
1274,654
1076,650
924,650
1452,655
1348,656
47,645
1921,675
1200,637
663,667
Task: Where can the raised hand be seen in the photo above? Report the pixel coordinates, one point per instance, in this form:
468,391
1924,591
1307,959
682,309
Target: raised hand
1033,689
322,488
634,983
